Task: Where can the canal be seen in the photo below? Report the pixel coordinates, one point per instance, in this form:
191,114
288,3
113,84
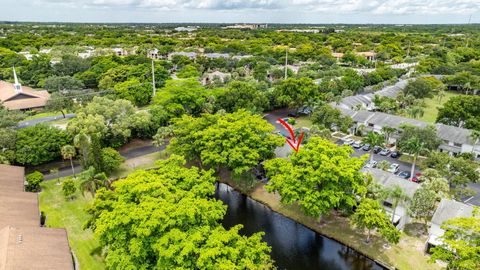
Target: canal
294,246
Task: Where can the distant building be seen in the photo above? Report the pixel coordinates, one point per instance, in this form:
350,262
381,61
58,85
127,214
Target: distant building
186,29
446,210
216,75
24,244
27,55
216,55
17,97
191,55
371,56
155,54
247,26
120,51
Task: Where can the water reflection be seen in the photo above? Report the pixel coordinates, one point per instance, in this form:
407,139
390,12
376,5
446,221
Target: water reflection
294,246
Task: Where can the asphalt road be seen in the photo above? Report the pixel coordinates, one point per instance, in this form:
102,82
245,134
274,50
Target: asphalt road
133,153
33,122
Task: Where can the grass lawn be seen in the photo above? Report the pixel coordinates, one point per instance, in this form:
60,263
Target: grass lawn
432,105
142,162
303,121
408,254
71,215
42,114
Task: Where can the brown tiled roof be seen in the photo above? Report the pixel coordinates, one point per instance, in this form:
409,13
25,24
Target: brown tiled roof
11,178
34,248
33,98
23,243
19,209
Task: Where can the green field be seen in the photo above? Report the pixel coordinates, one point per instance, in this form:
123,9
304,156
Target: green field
71,215
432,105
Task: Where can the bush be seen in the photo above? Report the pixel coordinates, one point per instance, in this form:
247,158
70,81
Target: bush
39,144
68,188
111,160
33,181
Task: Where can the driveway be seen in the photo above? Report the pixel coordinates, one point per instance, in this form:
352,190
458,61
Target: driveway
35,121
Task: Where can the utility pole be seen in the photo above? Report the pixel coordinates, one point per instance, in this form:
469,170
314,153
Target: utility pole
286,63
153,79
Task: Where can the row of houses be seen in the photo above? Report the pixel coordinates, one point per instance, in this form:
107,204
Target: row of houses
447,208
24,243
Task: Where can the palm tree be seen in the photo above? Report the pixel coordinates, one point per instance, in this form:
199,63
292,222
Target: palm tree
475,135
398,196
92,181
69,152
414,147
383,165
387,131
374,139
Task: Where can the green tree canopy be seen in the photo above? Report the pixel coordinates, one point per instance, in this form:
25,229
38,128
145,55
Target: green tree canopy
320,177
461,111
238,141
167,218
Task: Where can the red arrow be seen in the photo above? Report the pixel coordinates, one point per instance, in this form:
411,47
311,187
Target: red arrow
294,144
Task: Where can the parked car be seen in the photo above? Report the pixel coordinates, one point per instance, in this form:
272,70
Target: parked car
385,152
348,141
393,168
371,164
404,174
416,177
377,149
356,144
395,154
366,147
292,114
286,119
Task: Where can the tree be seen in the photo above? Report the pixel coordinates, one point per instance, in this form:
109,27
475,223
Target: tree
238,141
330,118
427,135
9,119
33,181
110,160
68,188
387,132
460,248
320,177
242,95
370,215
414,147
135,91
475,136
461,111
458,171
398,196
374,139
167,218
432,180
69,152
293,93
62,83
39,144
59,102
91,181
383,165
419,88
188,71
423,204
188,95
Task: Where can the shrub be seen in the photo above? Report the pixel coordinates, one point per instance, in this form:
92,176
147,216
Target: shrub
111,160
68,188
33,181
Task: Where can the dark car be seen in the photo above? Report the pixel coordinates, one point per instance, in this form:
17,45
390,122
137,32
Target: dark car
395,154
377,149
366,147
385,152
404,174
292,114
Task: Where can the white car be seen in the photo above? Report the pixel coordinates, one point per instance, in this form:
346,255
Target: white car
347,141
371,164
393,168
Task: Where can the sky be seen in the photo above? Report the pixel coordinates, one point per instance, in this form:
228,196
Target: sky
235,11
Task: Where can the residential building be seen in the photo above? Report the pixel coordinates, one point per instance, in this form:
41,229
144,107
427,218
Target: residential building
446,210
17,97
389,180
216,75
24,244
155,54
191,55
120,51
216,55
247,26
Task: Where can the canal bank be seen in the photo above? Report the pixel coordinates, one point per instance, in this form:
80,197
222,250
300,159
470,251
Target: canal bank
408,254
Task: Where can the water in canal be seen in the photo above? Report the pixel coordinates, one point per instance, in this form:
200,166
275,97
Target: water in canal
294,246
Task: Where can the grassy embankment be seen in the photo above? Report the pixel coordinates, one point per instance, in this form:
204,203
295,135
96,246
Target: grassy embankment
71,215
432,105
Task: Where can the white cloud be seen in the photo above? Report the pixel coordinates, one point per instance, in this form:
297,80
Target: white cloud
327,6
